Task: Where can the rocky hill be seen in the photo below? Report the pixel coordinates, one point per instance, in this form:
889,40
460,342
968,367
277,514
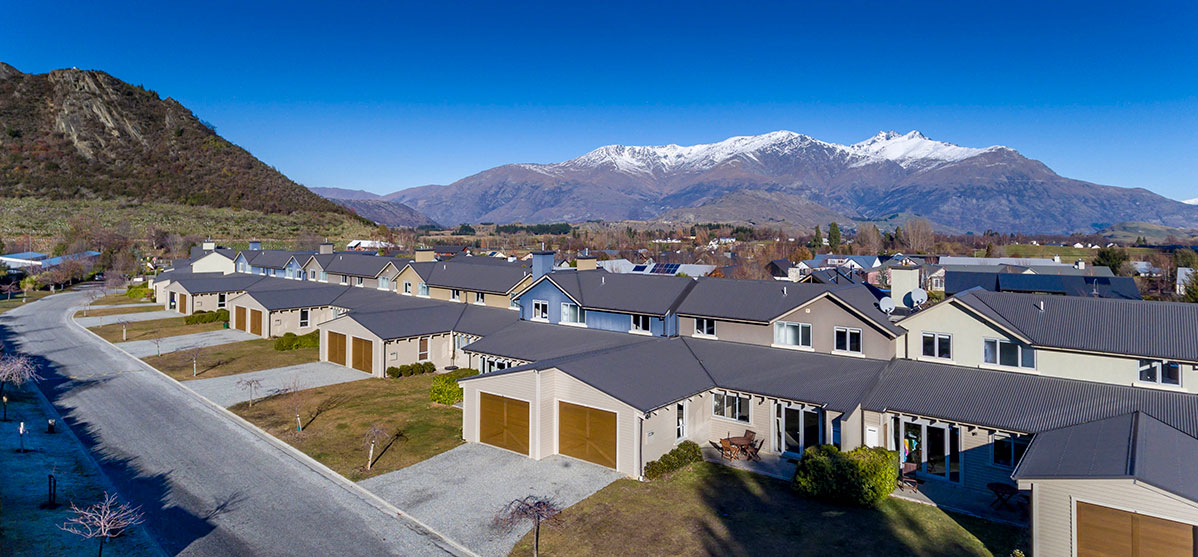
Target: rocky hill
76,134
390,213
793,177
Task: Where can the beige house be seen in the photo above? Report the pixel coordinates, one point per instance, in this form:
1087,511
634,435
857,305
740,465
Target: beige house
482,281
353,269
276,312
373,341
190,294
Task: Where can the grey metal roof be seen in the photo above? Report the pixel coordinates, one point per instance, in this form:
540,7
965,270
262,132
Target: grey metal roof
532,342
1069,270
761,301
1123,288
475,277
1167,330
392,324
1133,445
199,284
1020,402
357,264
197,252
483,321
275,258
304,295
370,299
633,293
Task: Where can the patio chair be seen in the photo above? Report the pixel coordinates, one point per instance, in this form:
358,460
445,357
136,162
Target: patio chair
752,450
750,435
729,450
906,478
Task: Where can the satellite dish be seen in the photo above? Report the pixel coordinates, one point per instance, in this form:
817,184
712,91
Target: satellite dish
886,305
919,297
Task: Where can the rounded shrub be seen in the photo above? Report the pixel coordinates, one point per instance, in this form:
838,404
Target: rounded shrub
393,372
310,340
445,389
285,342
428,367
222,315
862,476
406,370
685,453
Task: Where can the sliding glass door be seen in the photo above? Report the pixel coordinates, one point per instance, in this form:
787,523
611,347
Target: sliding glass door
797,428
933,447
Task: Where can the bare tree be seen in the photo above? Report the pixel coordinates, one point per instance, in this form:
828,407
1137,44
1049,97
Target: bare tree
296,402
114,283
536,509
104,520
92,296
918,235
124,328
373,436
250,385
158,346
194,355
17,370
10,289
868,239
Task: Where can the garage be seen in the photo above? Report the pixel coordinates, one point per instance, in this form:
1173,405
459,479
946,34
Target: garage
182,307
255,322
337,348
1103,531
363,355
586,433
503,422
239,318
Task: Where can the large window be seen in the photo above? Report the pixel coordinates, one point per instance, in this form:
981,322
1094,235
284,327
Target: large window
384,283
344,280
1008,449
1006,353
1156,371
934,449
324,277
540,310
938,345
640,324
792,334
571,313
303,318
731,406
848,340
422,289
422,349
220,300
407,287
704,326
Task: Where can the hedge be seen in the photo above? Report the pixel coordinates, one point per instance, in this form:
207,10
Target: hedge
685,453
137,292
445,389
862,476
207,317
291,341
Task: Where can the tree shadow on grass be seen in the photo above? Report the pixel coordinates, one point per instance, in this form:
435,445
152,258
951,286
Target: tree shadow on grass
325,405
398,435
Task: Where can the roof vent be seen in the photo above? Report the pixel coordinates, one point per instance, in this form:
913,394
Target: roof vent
1040,306
602,281
783,291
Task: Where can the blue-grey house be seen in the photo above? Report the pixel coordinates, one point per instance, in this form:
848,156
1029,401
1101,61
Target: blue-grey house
272,263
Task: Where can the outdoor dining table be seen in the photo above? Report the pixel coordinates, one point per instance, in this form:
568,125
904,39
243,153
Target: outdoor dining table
741,443
1002,494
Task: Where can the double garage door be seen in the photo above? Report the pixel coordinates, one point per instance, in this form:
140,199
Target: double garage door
1103,532
360,358
585,433
249,321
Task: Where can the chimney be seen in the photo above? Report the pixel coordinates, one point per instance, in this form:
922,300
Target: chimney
1081,264
903,281
586,262
425,254
209,245
326,248
255,245
542,263
1056,259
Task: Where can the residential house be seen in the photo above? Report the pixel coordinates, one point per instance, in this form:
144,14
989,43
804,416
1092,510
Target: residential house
354,269
1124,288
484,281
275,310
626,303
652,268
211,258
205,291
272,263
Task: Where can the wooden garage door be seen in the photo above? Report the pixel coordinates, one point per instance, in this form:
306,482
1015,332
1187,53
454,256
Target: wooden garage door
363,355
1103,532
182,307
586,433
239,318
337,348
503,422
255,322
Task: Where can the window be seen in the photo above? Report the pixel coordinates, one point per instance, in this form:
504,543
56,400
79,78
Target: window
303,320
571,313
1006,353
704,326
540,310
312,274
344,280
358,282
848,340
220,300
792,334
1156,371
422,349
640,324
680,421
384,283
730,406
479,298
512,302
407,287
324,277
1008,449
422,289
455,295
936,345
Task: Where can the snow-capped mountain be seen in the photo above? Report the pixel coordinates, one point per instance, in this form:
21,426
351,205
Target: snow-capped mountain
1191,201
793,177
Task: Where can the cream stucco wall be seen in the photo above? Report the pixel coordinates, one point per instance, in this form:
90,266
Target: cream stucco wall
212,263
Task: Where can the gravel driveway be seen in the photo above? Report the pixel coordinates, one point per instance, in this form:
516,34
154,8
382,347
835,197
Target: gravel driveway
458,492
143,348
225,392
96,321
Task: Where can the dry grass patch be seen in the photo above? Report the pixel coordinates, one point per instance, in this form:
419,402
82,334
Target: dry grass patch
7,303
150,330
709,509
337,417
231,359
119,299
103,312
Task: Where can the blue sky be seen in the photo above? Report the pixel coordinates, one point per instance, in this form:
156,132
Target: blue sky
387,96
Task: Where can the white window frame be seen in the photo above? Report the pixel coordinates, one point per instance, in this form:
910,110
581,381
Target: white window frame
480,299
748,400
848,340
513,303
937,338
324,276
312,274
1020,351
423,356
636,329
701,331
407,288
384,283
422,290
359,282
802,327
681,426
344,280
1014,440
1158,367
455,294
220,300
304,318
580,312
540,310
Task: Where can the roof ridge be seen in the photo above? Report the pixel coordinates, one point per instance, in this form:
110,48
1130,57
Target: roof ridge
699,360
1133,442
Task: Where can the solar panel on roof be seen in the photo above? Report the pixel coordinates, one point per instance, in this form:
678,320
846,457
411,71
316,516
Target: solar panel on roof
639,269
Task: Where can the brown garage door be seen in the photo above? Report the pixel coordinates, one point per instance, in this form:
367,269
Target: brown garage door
255,322
503,422
337,348
586,433
1102,532
363,355
182,307
239,318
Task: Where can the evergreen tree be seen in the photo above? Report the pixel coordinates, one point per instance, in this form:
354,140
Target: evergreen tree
834,236
817,241
1190,294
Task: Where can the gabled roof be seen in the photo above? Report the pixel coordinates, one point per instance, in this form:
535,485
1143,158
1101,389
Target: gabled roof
484,321
371,299
532,342
1066,285
198,283
358,264
197,252
1164,330
630,293
1133,445
496,277
392,324
761,301
302,295
274,258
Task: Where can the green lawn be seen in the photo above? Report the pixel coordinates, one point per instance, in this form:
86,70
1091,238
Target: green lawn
7,303
118,299
102,312
337,417
150,330
709,509
230,359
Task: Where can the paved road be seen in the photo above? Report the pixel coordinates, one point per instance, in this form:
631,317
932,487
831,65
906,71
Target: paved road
208,484
143,348
225,391
97,320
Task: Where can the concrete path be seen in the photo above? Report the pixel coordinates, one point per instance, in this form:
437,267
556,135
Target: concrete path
208,482
95,321
459,491
225,391
137,305
143,348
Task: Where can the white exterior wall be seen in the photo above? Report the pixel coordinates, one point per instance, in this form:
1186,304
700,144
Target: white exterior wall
213,263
